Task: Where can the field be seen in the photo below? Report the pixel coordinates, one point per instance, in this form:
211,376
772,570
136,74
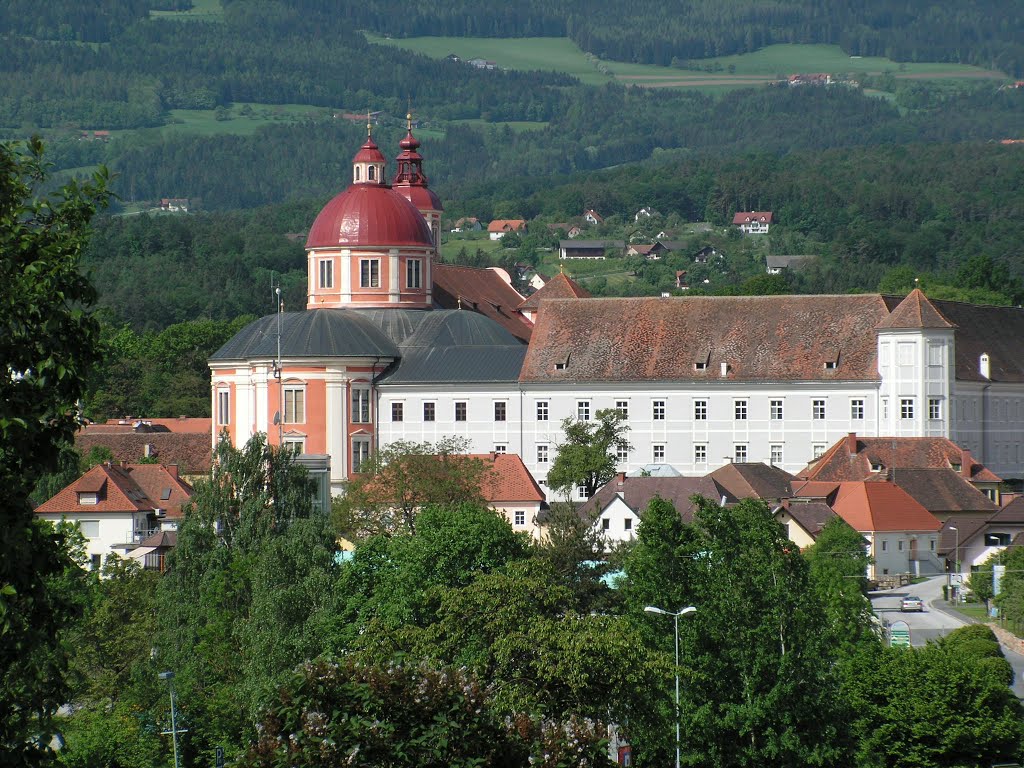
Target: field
725,73
243,119
201,10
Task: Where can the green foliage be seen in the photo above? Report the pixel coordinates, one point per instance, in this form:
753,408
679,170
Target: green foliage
934,706
47,346
398,480
838,572
344,712
980,581
759,686
586,455
246,590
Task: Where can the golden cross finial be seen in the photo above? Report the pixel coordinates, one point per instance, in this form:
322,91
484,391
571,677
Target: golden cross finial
460,302
408,115
369,126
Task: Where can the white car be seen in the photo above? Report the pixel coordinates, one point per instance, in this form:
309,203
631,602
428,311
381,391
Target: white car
911,603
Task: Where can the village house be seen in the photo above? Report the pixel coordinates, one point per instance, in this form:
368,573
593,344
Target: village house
753,223
498,228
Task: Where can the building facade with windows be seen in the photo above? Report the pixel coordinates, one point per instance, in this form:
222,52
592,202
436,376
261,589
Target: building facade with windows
701,381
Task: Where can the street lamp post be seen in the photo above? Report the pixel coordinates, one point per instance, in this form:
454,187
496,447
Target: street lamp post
675,615
169,677
956,556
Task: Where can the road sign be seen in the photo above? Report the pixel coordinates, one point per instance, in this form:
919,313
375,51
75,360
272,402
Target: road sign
219,754
899,634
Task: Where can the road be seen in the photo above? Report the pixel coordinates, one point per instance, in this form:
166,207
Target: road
934,622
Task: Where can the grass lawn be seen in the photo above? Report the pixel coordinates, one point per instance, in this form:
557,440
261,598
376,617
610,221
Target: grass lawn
453,242
201,10
973,610
204,122
751,69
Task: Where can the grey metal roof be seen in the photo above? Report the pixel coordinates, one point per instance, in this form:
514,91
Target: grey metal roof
457,346
314,333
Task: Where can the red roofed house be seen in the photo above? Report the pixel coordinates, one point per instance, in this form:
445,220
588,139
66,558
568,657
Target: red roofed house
753,222
903,536
117,506
498,228
561,286
512,492
593,217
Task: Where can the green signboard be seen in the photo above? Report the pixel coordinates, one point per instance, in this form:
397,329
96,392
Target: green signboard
899,634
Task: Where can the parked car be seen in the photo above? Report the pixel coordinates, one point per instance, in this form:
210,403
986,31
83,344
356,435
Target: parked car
911,603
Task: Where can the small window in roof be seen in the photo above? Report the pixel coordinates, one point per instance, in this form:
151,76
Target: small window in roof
561,365
165,494
700,359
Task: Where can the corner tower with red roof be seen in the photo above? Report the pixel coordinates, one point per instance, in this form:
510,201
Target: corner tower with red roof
369,247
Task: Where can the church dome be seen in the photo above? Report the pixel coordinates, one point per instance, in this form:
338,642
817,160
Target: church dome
369,215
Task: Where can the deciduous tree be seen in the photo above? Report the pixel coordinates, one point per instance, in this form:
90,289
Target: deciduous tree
587,454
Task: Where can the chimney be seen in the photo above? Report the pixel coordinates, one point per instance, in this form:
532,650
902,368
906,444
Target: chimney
621,478
984,368
172,470
966,460
725,370
851,443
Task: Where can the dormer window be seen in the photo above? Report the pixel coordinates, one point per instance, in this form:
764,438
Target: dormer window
831,365
701,359
876,466
561,365
831,358
956,467
88,498
700,366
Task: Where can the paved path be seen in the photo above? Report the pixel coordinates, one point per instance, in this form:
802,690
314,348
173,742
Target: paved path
937,620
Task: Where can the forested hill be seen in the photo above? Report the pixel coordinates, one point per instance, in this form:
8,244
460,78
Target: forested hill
984,32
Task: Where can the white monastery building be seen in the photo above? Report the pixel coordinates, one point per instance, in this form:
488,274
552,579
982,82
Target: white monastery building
702,381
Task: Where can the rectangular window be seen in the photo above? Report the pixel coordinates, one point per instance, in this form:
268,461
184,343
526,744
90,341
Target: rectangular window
899,545
776,453
885,408
885,545
857,410
223,406
398,411
88,499
460,411
621,454
775,408
700,453
658,453
907,408
89,528
658,410
360,405
583,410
326,273
628,523
296,445
414,273
542,410
740,408
818,410
817,449
499,411
500,448
95,562
606,524
360,452
542,454
934,408
369,273
622,406
581,493
700,410
740,453
520,517
294,405
429,411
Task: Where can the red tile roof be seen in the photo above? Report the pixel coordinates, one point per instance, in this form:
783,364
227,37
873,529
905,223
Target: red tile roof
915,311
637,493
123,488
873,506
757,338
484,291
510,480
746,217
506,225
942,491
561,286
182,424
191,451
852,458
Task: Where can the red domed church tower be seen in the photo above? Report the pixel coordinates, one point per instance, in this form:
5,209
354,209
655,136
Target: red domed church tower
411,183
371,247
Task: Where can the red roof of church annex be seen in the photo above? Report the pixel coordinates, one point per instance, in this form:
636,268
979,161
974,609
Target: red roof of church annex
561,286
481,290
